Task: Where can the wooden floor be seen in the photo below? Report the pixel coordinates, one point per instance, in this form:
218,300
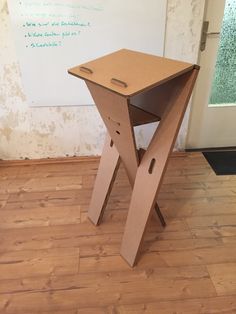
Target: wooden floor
52,260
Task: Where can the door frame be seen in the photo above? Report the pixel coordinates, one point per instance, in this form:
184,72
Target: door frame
199,114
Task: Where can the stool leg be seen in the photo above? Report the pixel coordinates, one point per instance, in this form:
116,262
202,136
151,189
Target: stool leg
157,211
108,167
159,215
152,168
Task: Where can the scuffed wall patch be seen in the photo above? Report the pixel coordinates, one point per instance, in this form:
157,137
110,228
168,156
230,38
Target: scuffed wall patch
66,116
6,132
3,7
10,71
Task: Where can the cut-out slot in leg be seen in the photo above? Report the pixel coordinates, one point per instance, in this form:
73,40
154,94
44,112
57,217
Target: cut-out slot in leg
115,122
152,164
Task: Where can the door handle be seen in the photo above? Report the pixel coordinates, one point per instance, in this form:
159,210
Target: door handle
205,33
213,33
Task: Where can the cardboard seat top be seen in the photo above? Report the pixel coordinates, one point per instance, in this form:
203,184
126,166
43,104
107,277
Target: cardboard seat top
128,72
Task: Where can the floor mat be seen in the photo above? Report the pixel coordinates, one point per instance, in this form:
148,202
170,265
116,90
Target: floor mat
223,163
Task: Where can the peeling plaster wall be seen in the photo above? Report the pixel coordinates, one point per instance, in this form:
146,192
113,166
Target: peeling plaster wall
183,33
67,131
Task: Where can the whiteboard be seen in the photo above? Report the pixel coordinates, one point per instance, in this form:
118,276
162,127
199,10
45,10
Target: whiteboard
53,36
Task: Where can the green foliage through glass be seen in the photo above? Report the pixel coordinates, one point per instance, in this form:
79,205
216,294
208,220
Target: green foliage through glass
224,82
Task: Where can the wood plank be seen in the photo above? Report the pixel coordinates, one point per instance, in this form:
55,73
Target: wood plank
223,277
182,245
23,264
224,232
211,221
88,238
15,218
50,198
198,207
216,305
212,255
103,279
105,296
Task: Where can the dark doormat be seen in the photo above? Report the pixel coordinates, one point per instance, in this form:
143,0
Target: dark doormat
223,163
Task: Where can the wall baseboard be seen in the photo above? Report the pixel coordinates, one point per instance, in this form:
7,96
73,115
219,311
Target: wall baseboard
61,160
44,161
210,149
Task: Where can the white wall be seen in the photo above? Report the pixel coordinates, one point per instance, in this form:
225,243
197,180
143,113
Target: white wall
67,131
184,23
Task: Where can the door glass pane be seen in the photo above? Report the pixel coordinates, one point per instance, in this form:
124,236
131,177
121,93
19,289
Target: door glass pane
224,83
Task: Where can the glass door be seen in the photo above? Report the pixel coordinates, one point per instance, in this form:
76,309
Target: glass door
213,112
223,92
